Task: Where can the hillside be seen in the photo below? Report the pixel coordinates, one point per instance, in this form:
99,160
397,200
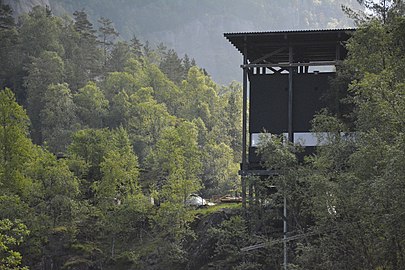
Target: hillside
196,27
108,147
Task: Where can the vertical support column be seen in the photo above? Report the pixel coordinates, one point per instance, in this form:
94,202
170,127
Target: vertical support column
291,139
337,58
290,97
244,126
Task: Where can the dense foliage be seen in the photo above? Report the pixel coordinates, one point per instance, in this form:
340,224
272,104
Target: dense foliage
93,129
346,203
196,27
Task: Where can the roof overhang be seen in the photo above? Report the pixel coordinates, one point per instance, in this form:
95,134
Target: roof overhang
308,46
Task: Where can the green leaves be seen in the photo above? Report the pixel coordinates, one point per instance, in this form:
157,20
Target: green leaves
363,178
277,154
176,162
15,147
229,237
120,177
200,99
91,106
107,34
11,236
40,32
108,141
55,188
45,70
380,102
219,170
58,117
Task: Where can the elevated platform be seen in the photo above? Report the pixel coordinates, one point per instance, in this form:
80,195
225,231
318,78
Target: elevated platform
286,75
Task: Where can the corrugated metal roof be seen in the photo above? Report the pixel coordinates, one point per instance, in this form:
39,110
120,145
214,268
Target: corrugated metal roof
308,45
295,31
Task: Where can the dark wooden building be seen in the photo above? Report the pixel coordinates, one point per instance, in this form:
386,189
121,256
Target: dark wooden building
288,72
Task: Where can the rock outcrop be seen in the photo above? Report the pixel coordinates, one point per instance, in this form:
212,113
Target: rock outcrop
23,6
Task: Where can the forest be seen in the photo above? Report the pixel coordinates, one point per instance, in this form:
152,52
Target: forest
103,140
199,31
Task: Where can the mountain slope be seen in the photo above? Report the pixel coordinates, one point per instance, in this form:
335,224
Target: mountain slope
196,27
24,6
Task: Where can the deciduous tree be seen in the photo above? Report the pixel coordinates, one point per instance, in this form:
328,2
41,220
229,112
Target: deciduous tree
58,117
15,146
91,106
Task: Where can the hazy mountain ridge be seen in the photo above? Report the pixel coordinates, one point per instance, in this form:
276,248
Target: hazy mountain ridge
196,27
202,36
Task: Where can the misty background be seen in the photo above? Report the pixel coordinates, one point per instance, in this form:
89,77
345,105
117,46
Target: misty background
196,27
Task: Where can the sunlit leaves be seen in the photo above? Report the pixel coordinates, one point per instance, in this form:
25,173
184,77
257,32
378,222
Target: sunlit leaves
11,236
176,162
15,146
91,105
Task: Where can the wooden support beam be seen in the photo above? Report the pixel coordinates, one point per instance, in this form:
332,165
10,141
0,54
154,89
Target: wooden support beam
264,57
290,95
288,65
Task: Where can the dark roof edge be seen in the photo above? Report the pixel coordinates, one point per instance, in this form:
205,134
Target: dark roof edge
283,32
